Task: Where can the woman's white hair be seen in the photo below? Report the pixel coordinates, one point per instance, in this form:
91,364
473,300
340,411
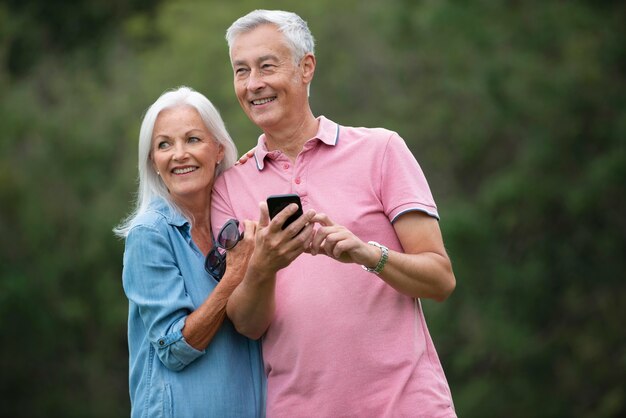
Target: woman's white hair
150,184
296,32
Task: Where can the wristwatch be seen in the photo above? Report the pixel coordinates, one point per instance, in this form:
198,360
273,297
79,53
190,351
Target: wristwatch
383,258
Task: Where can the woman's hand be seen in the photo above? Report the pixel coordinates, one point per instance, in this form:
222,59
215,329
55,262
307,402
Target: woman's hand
237,258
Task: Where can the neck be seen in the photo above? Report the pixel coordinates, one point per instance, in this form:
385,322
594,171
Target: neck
201,228
291,139
198,210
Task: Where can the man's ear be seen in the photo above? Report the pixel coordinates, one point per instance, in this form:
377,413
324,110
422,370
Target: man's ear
308,67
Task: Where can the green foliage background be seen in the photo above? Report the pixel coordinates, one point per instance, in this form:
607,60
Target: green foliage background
515,110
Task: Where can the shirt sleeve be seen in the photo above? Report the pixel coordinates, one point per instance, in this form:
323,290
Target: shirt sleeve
221,208
403,185
153,282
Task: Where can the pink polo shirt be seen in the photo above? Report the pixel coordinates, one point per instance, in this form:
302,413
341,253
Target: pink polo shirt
343,343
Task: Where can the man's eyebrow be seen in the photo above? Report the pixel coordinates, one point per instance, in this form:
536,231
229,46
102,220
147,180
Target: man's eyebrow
260,59
268,57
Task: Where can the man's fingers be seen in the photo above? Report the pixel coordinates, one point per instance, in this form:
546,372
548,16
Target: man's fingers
322,219
245,157
264,215
318,240
277,222
298,225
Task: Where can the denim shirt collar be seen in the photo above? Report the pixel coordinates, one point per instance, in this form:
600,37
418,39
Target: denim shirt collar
171,215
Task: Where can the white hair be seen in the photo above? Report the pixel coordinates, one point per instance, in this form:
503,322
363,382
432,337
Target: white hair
296,32
150,184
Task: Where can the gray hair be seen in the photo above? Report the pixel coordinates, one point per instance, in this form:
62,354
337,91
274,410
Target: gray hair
150,184
296,32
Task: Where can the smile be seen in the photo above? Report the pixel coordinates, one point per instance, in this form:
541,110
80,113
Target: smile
184,170
259,102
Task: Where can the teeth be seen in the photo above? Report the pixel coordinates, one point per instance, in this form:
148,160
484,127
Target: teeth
263,101
184,170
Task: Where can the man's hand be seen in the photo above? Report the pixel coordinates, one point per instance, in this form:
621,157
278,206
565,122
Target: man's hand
276,248
340,243
242,160
251,306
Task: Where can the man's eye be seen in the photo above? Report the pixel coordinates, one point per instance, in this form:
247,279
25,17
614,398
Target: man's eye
240,71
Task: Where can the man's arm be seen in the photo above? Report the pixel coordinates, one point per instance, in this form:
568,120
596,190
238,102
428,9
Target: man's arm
422,271
251,305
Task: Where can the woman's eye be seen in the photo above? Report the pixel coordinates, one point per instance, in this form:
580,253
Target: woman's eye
193,139
162,145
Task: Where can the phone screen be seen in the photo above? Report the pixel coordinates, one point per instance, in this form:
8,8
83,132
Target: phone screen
277,203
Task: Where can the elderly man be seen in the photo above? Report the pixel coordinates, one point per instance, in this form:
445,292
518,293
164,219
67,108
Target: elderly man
338,309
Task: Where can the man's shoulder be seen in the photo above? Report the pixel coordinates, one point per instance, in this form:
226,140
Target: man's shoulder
362,133
240,172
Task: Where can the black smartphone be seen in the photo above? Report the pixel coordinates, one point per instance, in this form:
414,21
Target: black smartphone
278,202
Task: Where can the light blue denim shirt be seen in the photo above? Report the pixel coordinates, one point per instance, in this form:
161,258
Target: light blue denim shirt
165,280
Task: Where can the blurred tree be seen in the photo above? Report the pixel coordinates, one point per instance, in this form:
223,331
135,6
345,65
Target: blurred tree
34,28
515,110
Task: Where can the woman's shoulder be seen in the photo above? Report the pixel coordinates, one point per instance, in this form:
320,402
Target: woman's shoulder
159,215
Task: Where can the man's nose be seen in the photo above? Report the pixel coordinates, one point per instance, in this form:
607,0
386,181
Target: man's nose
255,81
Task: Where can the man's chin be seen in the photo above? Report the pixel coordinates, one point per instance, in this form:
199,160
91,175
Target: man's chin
262,121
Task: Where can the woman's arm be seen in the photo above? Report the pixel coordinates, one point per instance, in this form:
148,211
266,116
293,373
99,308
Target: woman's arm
153,283
203,323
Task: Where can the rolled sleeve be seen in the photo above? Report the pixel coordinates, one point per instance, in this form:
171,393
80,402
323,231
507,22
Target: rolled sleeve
173,350
153,283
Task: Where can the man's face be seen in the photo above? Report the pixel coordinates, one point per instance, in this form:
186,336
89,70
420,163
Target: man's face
269,86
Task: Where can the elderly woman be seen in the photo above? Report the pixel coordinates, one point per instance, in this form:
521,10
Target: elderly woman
186,359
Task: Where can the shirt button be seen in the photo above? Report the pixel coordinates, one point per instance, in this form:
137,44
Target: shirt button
285,166
297,180
161,342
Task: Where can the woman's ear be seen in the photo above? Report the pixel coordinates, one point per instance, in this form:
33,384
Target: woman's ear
154,167
220,153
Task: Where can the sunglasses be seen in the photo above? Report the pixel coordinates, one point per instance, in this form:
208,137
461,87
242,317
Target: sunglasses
227,238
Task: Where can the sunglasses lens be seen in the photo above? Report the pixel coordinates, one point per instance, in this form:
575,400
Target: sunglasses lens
215,264
229,235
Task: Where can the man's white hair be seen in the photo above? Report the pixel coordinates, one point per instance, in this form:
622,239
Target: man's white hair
296,32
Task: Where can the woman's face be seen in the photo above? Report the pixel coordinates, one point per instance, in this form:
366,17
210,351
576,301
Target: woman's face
184,153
